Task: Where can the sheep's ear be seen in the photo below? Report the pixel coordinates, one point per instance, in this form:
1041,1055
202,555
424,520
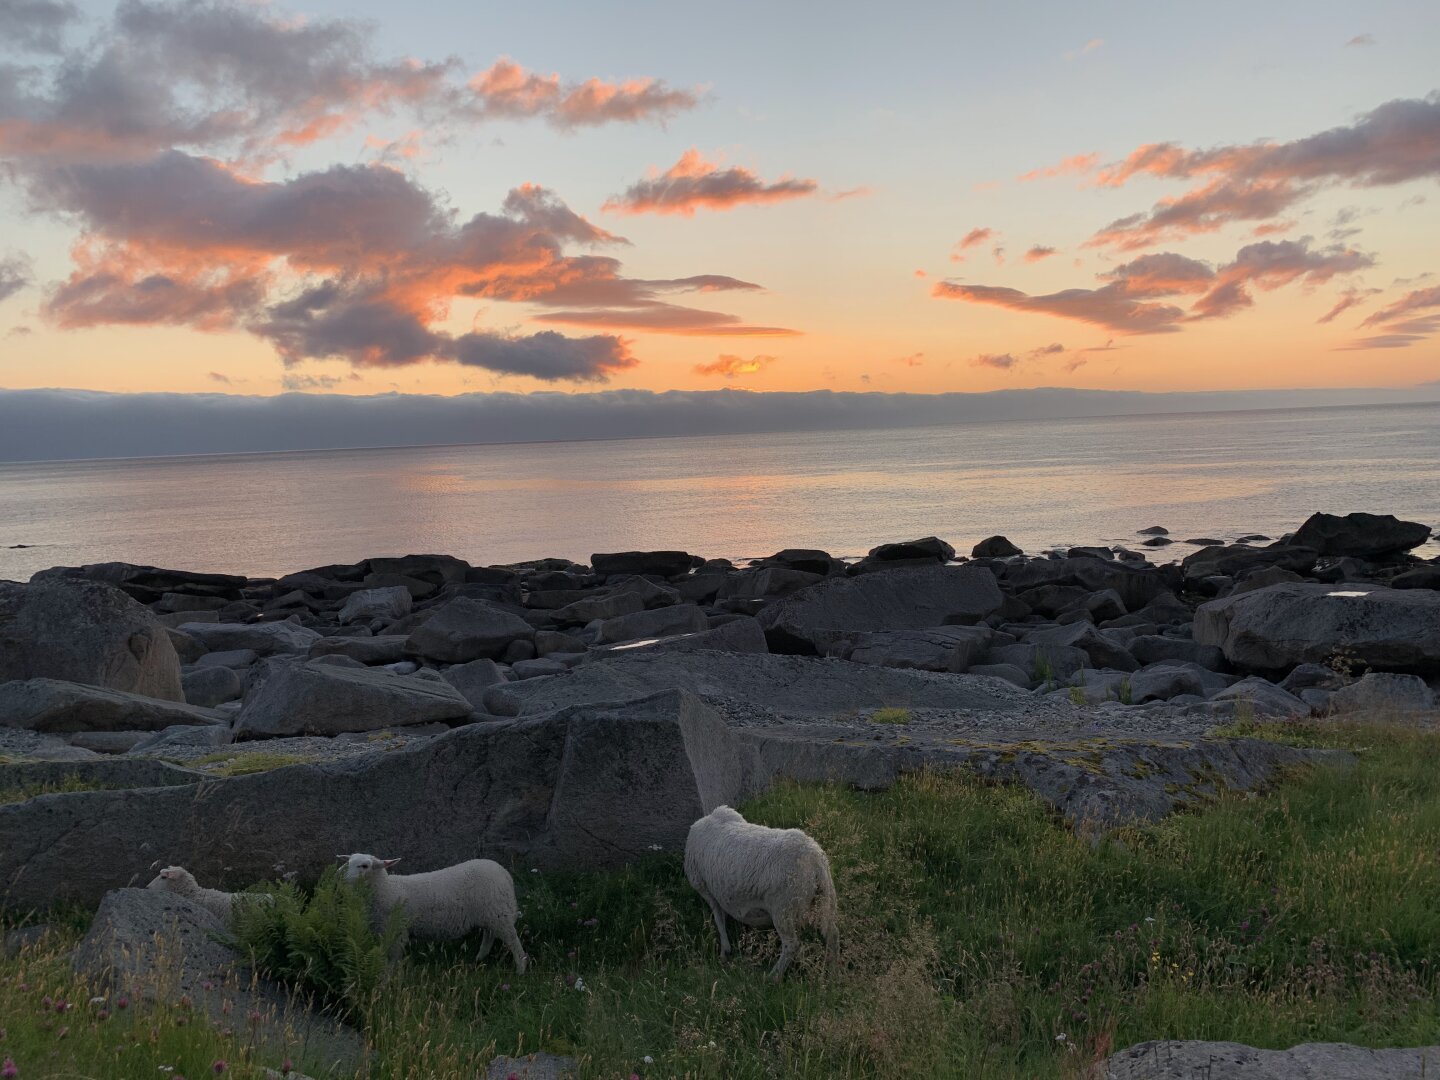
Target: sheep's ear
389,862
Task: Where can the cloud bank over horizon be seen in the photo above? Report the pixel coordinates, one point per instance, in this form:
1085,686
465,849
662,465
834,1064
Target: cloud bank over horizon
59,424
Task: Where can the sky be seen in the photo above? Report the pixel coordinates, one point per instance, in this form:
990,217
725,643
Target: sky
239,198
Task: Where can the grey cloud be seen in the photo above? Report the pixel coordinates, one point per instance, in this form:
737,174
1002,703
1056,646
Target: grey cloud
14,275
35,25
65,424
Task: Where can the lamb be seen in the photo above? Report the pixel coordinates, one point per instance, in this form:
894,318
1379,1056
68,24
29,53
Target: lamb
762,877
181,882
446,904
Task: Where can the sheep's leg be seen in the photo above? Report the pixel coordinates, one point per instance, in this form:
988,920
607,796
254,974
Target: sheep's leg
719,913
487,939
512,942
789,943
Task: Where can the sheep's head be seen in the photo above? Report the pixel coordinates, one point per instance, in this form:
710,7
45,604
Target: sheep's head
726,813
176,879
364,867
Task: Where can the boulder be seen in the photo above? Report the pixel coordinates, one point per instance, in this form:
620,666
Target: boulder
1263,697
995,547
1151,648
1234,560
308,699
1177,1060
161,947
554,641
1043,663
942,648
607,605
539,1066
1382,693
1362,535
810,560
931,547
85,632
901,599
1300,623
1422,577
1171,678
434,569
792,685
210,686
1103,650
54,706
660,563
388,604
148,583
740,636
1259,579
465,630
385,649
266,639
593,786
231,658
766,582
659,623
473,679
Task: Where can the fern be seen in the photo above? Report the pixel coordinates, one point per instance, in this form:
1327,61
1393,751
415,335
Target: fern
323,943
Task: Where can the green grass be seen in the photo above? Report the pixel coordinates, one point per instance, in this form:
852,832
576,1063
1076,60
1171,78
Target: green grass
241,763
975,933
70,782
891,716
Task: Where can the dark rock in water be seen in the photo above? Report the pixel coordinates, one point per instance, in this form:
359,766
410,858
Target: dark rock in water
1360,535
1254,538
807,560
290,698
55,706
465,630
1090,553
436,569
1157,541
661,563
1177,1060
1235,560
85,632
1300,623
1154,530
1206,541
148,583
995,547
905,599
931,547
157,946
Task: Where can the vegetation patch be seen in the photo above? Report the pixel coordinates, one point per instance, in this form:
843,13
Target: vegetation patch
71,782
891,716
978,939
241,763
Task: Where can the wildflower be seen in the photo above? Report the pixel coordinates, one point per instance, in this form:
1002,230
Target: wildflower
122,1003
1060,1038
219,1067
287,1067
253,1017
579,984
634,1076
97,1001
207,985
103,1014
591,922
648,1060
9,1069
504,986
534,869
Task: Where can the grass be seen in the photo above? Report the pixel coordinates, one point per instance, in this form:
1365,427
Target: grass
70,782
979,939
891,716
240,763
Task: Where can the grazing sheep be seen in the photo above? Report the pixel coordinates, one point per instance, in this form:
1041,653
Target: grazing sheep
181,882
762,877
446,904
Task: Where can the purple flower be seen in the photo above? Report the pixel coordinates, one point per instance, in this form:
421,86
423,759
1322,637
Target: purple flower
287,1067
504,986
122,1003
219,1067
9,1069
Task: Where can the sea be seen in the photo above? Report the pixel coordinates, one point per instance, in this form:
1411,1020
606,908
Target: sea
1042,483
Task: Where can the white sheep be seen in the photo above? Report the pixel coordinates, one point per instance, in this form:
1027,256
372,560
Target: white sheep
446,904
181,882
762,877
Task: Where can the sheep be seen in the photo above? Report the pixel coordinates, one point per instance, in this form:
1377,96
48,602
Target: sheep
446,904
181,882
762,877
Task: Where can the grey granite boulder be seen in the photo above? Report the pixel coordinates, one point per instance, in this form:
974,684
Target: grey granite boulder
162,947
1383,693
1262,697
1283,625
86,632
996,547
1177,1060
265,639
1361,535
210,686
901,599
741,635
656,623
473,679
660,563
941,648
465,630
292,698
385,649
1232,561
389,604
54,706
1103,650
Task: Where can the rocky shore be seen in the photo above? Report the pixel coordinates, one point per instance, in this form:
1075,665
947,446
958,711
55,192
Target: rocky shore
569,714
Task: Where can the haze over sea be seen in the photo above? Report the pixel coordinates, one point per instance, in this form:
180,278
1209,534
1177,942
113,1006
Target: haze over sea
1041,483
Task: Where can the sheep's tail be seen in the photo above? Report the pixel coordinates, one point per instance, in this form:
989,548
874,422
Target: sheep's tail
827,916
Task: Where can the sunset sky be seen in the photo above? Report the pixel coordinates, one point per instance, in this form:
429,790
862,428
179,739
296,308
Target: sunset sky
436,198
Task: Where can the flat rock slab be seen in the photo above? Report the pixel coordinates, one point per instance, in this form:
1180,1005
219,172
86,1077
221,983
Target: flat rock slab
265,639
591,786
1234,1061
1302,623
321,699
49,705
912,598
784,685
159,946
533,1067
105,772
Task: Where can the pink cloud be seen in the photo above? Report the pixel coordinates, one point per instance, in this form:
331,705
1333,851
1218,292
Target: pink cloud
999,361
1038,253
732,367
693,183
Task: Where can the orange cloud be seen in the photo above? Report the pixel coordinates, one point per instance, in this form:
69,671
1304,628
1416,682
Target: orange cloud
1039,253
507,90
999,361
732,367
693,183
1078,165
1403,322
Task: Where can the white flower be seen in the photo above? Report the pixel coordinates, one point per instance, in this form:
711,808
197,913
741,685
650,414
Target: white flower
534,870
1149,918
167,1068
656,847
648,1060
97,1001
580,984
1060,1037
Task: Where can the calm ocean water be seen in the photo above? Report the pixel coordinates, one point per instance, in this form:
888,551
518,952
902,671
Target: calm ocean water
1041,483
